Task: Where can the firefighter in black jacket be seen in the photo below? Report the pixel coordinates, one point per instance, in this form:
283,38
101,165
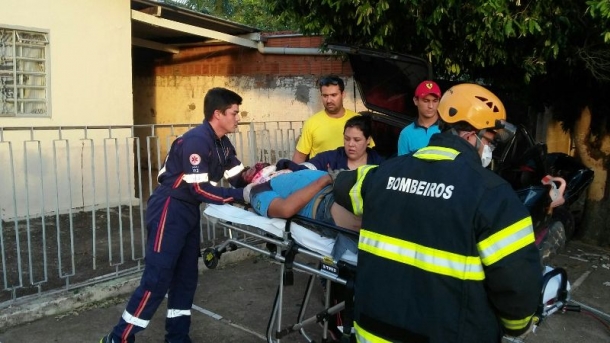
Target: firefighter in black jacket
446,251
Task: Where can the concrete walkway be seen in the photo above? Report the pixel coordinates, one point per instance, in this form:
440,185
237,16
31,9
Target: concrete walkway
233,303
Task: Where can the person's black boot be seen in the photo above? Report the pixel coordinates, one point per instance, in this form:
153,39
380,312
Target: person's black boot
108,339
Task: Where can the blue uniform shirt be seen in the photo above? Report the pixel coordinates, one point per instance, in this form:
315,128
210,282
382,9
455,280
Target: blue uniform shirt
337,159
194,165
414,137
333,159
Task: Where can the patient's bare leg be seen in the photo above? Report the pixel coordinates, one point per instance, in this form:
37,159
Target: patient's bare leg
345,218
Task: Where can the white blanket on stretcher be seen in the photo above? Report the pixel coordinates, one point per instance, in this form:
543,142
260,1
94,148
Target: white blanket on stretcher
275,226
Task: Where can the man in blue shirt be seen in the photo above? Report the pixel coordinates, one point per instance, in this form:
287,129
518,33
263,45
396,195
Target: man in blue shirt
417,134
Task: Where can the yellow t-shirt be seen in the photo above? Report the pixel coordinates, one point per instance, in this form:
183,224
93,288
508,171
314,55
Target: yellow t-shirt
322,133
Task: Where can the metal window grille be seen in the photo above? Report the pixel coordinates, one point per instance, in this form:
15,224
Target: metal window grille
23,73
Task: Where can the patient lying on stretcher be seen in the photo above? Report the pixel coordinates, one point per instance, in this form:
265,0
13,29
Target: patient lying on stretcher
308,193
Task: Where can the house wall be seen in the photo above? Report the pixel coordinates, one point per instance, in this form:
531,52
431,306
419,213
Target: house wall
90,84
170,88
90,54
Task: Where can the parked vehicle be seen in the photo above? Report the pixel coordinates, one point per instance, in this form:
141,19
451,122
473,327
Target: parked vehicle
539,178
551,185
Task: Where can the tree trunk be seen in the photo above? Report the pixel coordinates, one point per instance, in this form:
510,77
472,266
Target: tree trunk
594,152
595,229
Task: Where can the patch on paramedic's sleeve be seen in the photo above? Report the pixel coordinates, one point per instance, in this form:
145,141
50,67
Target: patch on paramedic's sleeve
195,159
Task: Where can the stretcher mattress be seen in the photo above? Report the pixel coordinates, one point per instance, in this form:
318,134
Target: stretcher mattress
275,226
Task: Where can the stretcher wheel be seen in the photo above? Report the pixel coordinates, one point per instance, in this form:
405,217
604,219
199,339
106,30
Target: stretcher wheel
210,258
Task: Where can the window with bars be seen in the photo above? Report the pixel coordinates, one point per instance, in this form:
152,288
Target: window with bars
24,73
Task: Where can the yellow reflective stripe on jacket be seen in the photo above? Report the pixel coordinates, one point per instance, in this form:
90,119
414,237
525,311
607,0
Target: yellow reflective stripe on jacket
363,336
355,193
436,153
515,324
506,241
422,257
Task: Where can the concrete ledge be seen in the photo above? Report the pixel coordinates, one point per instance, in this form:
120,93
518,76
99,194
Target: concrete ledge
71,300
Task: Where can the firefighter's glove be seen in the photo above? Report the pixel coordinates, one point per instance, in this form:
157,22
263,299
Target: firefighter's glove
333,174
247,190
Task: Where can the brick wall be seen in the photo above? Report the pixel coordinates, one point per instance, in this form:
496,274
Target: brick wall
232,60
275,87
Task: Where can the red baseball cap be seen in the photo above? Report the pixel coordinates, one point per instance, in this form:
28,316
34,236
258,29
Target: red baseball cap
427,87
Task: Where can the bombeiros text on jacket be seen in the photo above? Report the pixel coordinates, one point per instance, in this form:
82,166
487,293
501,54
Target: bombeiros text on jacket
419,187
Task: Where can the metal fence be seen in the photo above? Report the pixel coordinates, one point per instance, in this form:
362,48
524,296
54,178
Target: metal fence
73,199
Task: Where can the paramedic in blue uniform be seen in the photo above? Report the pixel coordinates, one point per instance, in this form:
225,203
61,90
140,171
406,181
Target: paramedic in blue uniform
194,165
446,251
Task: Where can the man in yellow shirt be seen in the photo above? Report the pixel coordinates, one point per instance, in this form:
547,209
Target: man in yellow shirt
324,130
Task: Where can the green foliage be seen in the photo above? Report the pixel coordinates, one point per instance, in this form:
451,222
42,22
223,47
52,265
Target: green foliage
255,13
516,44
222,7
555,51
248,12
600,11
464,36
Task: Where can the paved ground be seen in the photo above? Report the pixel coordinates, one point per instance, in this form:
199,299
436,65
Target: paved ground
234,301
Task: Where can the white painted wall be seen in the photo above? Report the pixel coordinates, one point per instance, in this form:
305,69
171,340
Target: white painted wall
90,53
90,84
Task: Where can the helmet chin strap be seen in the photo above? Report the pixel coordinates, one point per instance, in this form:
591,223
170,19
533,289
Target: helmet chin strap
480,134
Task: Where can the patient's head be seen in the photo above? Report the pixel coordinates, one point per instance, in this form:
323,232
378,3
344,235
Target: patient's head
263,172
250,173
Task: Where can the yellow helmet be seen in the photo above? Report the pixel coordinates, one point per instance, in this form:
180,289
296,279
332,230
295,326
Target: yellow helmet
473,104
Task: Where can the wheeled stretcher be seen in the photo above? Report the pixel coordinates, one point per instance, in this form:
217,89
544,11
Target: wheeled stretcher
286,241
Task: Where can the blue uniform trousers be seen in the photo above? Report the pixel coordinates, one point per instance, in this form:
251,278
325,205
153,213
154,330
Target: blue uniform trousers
172,253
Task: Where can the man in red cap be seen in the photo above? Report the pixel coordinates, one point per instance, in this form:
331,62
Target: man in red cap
417,134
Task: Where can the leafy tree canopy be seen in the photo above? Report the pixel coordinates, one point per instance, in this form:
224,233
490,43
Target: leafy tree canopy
248,12
544,44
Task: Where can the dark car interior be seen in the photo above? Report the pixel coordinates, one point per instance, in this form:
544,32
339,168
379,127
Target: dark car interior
385,134
520,161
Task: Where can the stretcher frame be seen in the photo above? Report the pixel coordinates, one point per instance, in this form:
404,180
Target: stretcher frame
553,298
285,250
